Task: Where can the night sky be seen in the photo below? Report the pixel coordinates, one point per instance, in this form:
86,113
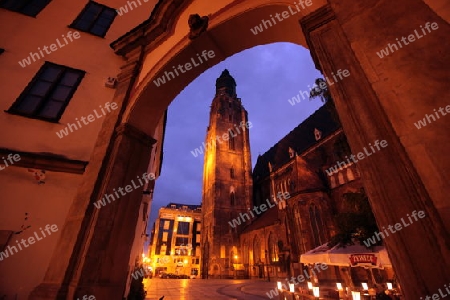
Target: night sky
267,77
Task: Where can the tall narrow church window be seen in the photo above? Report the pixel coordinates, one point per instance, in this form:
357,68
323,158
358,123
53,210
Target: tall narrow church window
232,173
230,117
316,225
231,145
273,248
232,199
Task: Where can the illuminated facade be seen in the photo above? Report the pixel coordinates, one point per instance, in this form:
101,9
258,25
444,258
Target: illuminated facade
227,181
175,246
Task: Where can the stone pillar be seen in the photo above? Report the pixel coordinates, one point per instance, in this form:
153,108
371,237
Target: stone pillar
103,265
121,153
420,252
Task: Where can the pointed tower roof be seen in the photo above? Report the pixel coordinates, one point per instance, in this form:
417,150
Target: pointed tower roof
226,83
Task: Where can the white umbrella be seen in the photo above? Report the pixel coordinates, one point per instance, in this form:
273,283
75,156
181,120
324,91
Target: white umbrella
354,256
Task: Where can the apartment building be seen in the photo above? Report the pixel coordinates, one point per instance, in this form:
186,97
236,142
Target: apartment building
57,82
175,246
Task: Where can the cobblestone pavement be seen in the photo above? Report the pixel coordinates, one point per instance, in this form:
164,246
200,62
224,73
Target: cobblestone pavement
199,289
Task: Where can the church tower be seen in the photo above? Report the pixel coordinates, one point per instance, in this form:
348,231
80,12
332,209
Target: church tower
227,181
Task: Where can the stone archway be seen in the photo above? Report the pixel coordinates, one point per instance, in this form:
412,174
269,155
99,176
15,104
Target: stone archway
339,37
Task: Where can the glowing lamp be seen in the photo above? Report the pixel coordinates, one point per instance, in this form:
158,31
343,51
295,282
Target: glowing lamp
316,292
310,286
356,295
339,286
279,285
389,285
291,287
365,286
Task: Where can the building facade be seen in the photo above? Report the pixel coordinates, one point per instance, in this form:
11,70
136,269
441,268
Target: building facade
175,246
299,165
58,77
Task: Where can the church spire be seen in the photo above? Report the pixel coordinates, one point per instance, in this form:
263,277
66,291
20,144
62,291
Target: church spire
226,84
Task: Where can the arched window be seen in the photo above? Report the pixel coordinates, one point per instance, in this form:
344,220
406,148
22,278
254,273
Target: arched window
317,226
231,142
273,248
256,251
232,199
232,173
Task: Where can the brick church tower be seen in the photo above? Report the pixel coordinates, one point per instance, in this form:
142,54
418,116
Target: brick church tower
227,180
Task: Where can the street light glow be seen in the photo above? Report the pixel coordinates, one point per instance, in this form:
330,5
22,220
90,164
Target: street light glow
316,291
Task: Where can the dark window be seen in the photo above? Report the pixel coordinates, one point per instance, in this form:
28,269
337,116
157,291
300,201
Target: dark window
317,226
181,241
183,228
232,173
230,118
26,7
342,149
231,145
49,92
232,199
95,19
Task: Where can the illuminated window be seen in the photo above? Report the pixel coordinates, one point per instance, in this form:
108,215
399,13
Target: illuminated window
273,248
166,224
